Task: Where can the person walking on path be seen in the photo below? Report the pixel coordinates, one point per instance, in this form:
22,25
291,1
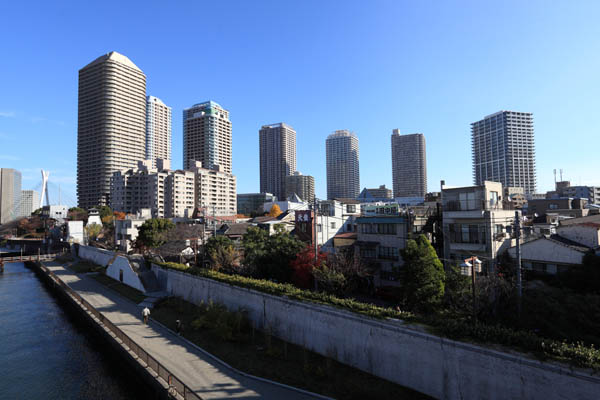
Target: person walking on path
146,314
178,327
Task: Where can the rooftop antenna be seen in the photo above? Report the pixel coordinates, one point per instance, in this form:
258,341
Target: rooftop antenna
555,177
45,175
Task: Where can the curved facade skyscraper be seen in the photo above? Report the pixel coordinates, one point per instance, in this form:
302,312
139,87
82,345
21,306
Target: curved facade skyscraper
111,128
343,172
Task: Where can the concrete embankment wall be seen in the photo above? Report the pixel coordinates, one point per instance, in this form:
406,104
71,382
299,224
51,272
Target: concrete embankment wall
439,367
116,265
155,388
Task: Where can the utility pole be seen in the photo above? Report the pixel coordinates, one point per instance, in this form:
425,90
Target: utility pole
315,241
315,229
518,237
214,221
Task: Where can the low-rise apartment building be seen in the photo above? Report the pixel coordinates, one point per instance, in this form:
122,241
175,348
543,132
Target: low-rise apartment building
167,193
475,224
380,239
215,190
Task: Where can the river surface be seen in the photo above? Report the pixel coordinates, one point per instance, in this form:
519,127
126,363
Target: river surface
45,352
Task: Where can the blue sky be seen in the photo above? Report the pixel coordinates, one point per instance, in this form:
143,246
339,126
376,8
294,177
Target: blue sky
428,66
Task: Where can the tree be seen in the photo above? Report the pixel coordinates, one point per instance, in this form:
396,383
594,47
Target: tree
422,276
93,231
303,266
254,243
225,258
215,243
77,214
119,215
275,211
153,232
457,293
269,257
356,271
104,211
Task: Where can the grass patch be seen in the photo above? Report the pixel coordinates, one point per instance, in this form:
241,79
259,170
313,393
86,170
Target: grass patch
83,266
230,336
466,330
126,291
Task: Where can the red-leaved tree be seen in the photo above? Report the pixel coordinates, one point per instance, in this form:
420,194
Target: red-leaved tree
302,267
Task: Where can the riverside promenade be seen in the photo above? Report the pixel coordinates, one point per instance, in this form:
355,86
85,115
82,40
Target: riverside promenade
207,377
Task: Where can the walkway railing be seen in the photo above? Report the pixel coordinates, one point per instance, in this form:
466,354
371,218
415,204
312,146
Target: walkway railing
31,257
176,386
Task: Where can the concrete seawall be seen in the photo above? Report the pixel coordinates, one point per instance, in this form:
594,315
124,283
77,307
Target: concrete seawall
156,387
439,367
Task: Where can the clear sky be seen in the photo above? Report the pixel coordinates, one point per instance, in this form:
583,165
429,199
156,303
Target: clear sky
367,66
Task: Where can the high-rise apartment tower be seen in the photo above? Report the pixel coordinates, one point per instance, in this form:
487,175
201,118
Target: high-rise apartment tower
10,194
158,130
30,201
111,130
343,174
207,136
409,164
504,150
301,185
277,144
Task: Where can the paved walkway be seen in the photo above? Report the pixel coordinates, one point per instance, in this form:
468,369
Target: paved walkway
207,377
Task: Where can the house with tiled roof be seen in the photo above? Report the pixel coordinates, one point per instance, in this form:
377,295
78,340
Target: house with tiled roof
551,254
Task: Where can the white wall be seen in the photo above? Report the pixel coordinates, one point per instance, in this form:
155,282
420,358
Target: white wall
130,278
96,255
114,263
439,367
545,250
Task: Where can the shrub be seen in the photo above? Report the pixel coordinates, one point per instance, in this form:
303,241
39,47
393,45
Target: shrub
461,329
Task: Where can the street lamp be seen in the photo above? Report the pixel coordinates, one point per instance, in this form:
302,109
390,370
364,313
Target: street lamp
470,263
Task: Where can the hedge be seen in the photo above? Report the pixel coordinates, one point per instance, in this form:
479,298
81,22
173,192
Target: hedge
577,354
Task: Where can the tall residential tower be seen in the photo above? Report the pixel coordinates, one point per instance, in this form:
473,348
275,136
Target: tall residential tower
343,174
409,165
111,129
10,194
277,157
158,130
207,136
504,150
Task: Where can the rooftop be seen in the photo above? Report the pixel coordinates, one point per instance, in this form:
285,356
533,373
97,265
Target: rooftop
341,133
114,56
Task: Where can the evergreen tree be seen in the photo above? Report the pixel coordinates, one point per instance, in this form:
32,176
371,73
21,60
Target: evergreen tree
422,276
153,232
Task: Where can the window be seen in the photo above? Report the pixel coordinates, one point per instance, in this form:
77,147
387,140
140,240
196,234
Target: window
467,201
499,229
386,229
367,252
462,233
319,228
333,225
351,208
388,253
493,198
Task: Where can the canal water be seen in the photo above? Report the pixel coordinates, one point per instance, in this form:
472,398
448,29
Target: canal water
45,353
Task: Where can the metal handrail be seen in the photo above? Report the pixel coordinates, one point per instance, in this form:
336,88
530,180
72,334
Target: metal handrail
175,384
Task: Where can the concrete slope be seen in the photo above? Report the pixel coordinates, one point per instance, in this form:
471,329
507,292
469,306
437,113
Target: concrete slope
207,377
